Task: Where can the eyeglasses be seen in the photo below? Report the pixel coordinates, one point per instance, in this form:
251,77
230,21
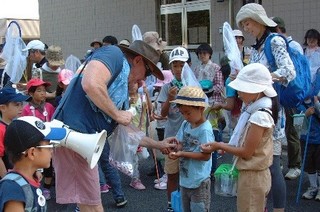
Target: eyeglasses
46,146
49,146
148,70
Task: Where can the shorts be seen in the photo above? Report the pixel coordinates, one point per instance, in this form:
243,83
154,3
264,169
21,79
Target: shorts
75,181
171,166
197,199
253,188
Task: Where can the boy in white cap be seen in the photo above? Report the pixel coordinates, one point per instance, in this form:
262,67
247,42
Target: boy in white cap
251,141
168,93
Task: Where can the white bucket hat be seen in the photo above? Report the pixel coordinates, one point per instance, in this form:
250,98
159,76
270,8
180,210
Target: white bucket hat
256,12
254,78
237,33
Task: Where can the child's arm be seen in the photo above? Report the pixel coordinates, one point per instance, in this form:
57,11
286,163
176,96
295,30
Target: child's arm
166,105
13,206
149,103
191,155
3,170
252,140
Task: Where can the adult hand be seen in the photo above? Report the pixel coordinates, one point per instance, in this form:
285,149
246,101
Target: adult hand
124,117
168,145
209,147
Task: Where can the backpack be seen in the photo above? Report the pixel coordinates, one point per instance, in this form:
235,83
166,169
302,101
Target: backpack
298,89
28,193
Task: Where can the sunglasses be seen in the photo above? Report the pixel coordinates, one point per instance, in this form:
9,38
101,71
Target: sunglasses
148,70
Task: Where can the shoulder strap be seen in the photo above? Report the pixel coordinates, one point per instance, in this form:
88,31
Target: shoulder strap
28,193
268,51
266,110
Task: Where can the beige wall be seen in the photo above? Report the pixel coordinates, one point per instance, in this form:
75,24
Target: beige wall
73,24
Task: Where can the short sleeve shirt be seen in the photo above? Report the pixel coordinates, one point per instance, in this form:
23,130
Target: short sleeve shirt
175,118
193,172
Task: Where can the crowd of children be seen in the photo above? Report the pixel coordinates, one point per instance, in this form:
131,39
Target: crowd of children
194,115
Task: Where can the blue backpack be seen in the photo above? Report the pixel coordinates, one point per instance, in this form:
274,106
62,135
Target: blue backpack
298,89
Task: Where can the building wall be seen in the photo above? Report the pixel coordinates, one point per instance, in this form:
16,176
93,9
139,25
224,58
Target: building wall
73,24
298,15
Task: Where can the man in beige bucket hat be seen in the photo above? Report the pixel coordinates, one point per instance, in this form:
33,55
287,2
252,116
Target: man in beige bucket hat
96,99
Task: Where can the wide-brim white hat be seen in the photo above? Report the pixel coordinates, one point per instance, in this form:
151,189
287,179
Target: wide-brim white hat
254,78
256,12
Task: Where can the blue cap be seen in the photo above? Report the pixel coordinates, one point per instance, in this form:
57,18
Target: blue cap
9,94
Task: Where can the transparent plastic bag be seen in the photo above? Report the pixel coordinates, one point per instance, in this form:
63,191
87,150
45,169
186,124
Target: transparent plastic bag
123,148
13,53
72,63
231,48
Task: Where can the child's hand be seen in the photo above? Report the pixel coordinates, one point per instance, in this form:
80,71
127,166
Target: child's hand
38,176
173,91
209,147
168,145
174,155
309,111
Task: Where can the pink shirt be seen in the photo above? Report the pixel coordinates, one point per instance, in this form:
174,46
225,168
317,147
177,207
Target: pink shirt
45,115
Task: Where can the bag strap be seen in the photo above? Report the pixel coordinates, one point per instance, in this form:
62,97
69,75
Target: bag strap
28,193
236,157
268,51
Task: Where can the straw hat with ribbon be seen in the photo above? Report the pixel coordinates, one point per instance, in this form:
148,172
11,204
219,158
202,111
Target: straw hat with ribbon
191,96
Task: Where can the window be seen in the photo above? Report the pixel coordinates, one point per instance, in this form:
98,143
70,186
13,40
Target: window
252,1
185,22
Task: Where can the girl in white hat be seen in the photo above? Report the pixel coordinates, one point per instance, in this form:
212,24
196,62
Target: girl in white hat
252,18
251,141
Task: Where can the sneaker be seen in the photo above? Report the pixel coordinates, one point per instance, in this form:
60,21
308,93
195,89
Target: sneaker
121,202
77,209
310,193
164,178
293,173
136,184
161,186
46,193
170,209
318,195
104,188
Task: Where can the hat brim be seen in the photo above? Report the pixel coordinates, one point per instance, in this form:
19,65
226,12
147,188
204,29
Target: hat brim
56,134
178,59
66,82
91,44
45,84
190,102
154,69
250,87
21,98
56,62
